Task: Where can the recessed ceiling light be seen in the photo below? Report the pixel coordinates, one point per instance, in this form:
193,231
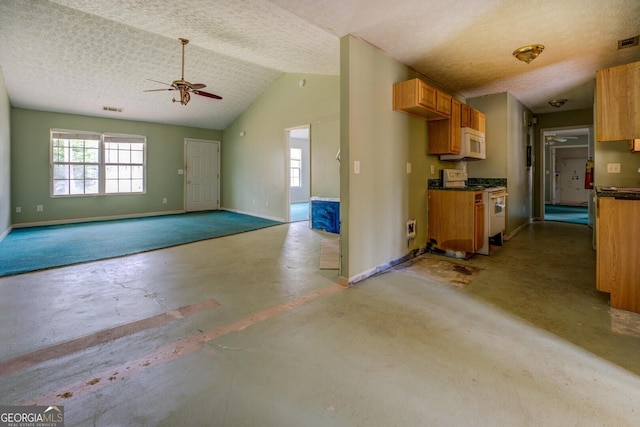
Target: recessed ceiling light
528,53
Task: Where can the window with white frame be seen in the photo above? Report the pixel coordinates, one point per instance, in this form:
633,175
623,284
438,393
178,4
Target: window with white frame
88,163
296,167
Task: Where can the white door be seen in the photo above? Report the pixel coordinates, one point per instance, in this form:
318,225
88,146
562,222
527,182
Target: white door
203,177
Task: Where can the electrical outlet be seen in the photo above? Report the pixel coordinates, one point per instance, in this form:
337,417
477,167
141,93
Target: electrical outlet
408,167
266,203
39,208
18,209
164,200
433,170
356,167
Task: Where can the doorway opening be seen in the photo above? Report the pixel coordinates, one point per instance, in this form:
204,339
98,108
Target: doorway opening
298,173
566,152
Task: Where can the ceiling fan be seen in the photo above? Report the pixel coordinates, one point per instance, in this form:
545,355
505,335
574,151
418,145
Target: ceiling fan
184,87
551,138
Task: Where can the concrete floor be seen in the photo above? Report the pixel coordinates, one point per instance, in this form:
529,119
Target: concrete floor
246,330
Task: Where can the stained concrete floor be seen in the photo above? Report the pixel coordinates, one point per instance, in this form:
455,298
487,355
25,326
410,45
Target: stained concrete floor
246,330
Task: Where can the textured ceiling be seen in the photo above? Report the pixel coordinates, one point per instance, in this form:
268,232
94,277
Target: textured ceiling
80,55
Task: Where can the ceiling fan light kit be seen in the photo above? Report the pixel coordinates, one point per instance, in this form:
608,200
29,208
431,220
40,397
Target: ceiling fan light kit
528,53
184,87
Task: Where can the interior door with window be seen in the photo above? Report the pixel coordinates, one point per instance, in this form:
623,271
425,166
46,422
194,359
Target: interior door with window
203,177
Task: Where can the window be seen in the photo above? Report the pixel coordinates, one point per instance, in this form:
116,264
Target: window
87,163
296,167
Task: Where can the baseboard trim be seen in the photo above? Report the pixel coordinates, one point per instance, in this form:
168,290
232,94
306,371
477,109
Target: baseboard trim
272,218
98,218
518,229
384,267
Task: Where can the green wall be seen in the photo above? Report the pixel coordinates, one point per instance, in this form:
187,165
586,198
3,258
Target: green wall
5,159
30,175
507,137
254,145
377,202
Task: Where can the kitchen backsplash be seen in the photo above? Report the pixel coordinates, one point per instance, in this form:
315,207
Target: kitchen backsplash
473,182
487,182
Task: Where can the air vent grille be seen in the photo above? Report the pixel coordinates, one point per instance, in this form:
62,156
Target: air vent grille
113,109
633,41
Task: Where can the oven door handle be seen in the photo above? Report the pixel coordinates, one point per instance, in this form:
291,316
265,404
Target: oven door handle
498,194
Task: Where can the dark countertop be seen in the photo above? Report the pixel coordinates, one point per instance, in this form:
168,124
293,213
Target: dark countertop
475,188
619,193
473,184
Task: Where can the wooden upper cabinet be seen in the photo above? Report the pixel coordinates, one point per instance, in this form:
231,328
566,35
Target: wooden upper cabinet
478,121
444,135
443,103
472,118
417,98
465,116
427,95
618,103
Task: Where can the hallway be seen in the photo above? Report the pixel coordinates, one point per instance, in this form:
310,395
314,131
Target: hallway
246,330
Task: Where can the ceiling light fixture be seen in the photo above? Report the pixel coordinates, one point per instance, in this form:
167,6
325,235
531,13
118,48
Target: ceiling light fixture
558,102
528,53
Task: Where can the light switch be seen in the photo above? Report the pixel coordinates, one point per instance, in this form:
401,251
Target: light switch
356,167
180,171
408,167
613,167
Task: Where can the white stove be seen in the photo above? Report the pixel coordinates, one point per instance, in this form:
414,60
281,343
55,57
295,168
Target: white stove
495,207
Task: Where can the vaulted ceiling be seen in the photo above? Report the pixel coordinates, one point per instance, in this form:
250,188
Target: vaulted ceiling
79,56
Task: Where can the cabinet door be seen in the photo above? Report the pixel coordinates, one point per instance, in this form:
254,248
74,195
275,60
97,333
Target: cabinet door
427,96
443,103
465,116
452,219
478,121
617,104
444,135
479,226
456,111
617,250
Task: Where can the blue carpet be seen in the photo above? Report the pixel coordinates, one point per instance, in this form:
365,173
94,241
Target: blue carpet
572,214
38,248
299,211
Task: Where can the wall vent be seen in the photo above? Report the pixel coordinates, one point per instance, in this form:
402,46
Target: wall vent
113,109
630,42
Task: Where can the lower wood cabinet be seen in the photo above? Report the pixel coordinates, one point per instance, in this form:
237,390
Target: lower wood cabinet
456,219
618,251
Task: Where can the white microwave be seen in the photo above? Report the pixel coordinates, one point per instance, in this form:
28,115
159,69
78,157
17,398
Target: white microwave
472,146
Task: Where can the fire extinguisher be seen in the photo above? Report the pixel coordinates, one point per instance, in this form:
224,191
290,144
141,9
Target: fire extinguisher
588,175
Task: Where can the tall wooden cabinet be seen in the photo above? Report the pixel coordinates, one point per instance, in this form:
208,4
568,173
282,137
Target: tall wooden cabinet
456,219
444,135
618,251
618,103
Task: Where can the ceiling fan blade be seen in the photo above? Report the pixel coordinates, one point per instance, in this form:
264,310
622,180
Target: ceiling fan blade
197,85
162,83
207,94
158,90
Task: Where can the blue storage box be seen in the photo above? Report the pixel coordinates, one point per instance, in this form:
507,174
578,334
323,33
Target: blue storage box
325,214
